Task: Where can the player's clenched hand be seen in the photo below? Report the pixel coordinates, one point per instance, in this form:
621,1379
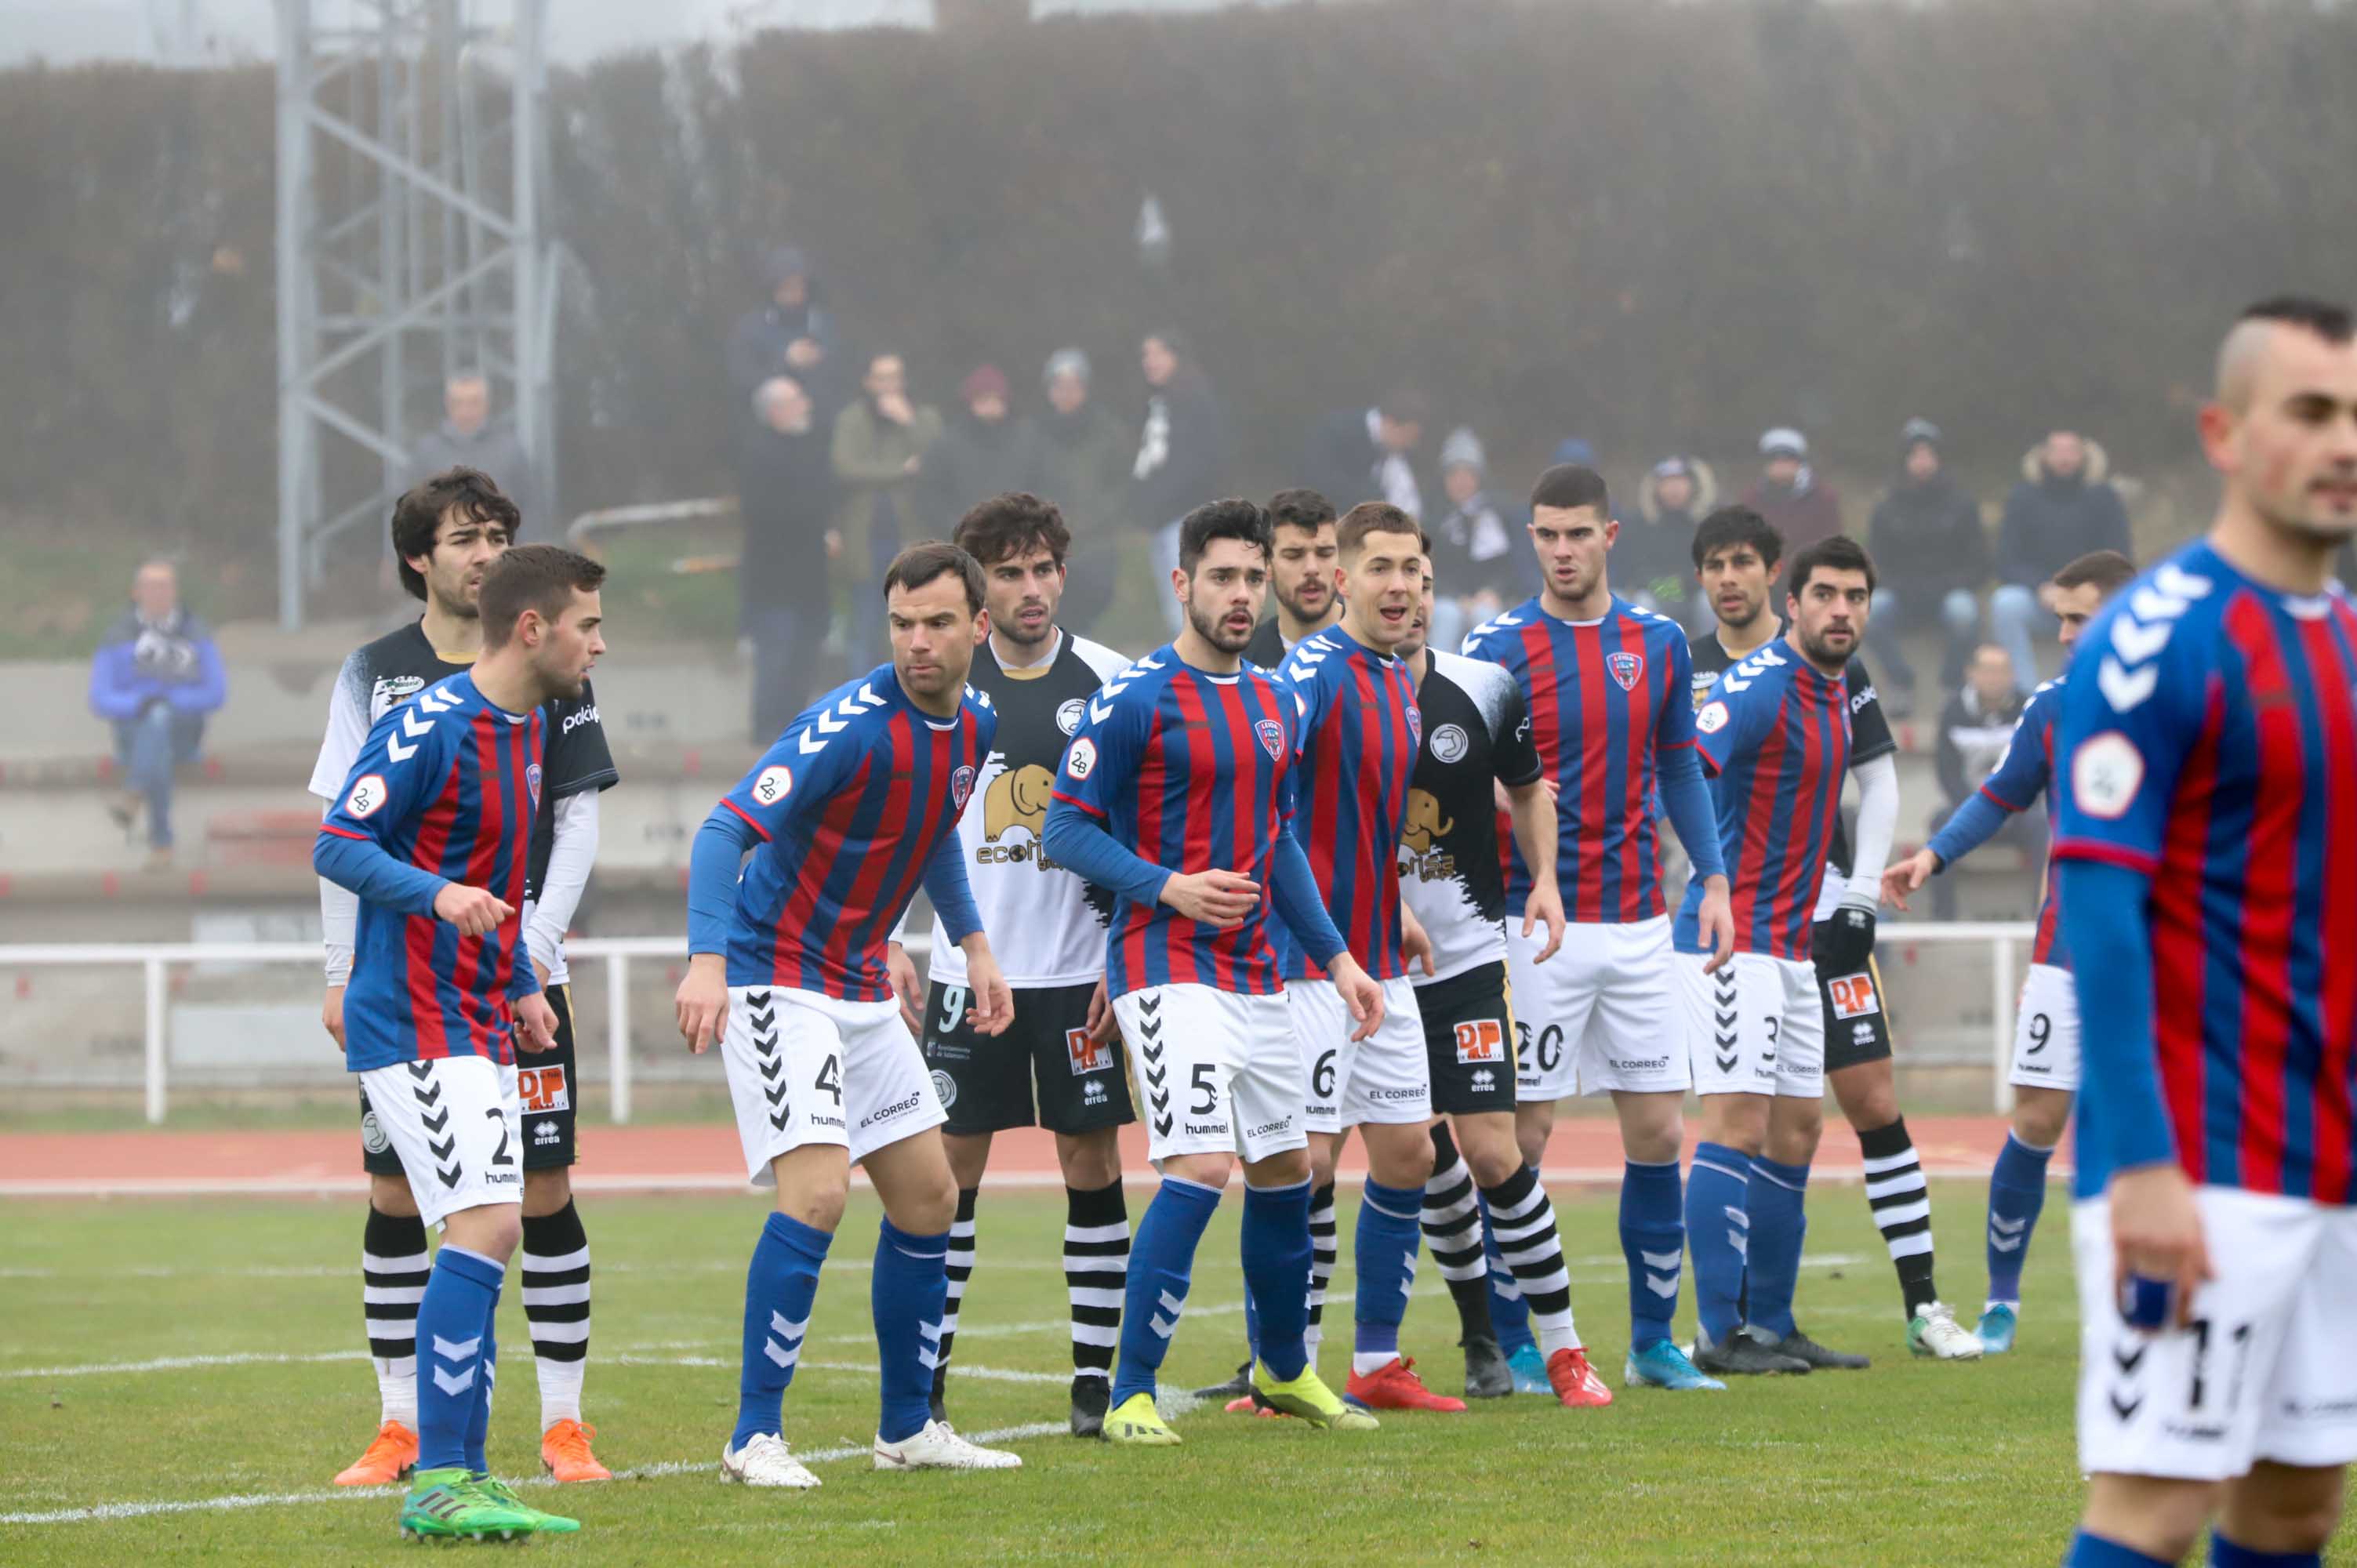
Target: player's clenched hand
702,1005
535,1023
474,910
1102,1023
1416,944
1715,922
1907,877
1359,992
994,1004
901,971
1220,898
1545,907
2157,1233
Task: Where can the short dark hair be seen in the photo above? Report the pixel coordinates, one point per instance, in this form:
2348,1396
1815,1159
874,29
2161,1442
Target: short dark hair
542,578
1372,517
2108,570
1300,508
1011,525
1234,518
1405,405
1838,553
1570,485
922,563
1733,525
2327,320
417,515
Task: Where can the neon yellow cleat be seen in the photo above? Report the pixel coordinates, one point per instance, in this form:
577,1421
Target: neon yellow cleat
1135,1422
1309,1398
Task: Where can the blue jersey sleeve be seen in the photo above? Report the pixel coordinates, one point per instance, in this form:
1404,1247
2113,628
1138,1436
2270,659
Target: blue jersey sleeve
400,765
1675,725
2021,773
796,776
1729,723
1102,755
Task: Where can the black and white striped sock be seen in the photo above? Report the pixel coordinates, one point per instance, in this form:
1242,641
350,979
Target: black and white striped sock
1452,1228
1523,1222
961,1270
1901,1201
394,1264
556,1308
1096,1274
1323,1252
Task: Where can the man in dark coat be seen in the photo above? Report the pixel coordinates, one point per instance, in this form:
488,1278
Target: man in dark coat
1932,551
792,335
786,496
2062,508
1369,454
985,450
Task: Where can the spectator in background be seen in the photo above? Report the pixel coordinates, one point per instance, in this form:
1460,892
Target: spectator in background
791,336
2062,508
985,450
1975,727
786,496
1369,454
1788,494
1182,456
155,676
1472,544
1652,559
1083,468
1926,537
878,448
468,439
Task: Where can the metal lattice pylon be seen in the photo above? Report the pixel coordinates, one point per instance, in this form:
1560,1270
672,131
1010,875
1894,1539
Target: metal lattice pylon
411,163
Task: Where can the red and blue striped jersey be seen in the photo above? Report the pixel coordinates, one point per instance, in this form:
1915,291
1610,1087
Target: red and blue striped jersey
1357,741
1605,698
448,782
1775,744
2025,771
2209,740
850,804
1194,771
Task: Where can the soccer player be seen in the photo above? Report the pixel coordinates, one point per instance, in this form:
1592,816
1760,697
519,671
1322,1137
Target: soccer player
854,806
2207,762
432,831
1775,738
1476,740
1300,576
2045,1076
1051,946
1606,684
446,532
1738,558
1177,794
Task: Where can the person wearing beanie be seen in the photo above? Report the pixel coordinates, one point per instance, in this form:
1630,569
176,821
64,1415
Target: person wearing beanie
1926,537
1472,543
1083,457
1651,558
791,336
985,450
1797,504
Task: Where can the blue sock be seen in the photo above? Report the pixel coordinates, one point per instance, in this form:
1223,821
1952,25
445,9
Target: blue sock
1161,1265
2224,1553
1510,1315
478,1419
1276,1272
1779,1221
1390,1224
1718,1231
454,1336
780,1285
907,1293
2016,1192
2093,1552
1654,1240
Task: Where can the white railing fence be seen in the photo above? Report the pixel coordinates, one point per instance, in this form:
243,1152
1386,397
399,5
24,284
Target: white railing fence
617,953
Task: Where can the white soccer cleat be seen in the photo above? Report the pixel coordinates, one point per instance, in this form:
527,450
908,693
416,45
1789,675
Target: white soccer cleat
938,1447
766,1461
1934,1332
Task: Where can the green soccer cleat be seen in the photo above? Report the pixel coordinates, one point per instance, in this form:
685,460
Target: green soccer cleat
447,1505
1137,1423
499,1491
1310,1399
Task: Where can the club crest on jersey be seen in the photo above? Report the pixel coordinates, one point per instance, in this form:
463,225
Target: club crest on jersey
962,785
1416,724
1626,668
1449,742
532,783
1069,713
1272,737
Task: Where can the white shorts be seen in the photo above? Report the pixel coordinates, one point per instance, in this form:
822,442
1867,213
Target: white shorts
2265,1373
455,1123
1599,1016
2046,1035
1757,1027
808,1068
1218,1069
1386,1078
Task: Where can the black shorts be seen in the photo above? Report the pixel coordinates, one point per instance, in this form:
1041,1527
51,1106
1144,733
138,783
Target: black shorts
985,1081
1468,1040
545,1084
1858,1031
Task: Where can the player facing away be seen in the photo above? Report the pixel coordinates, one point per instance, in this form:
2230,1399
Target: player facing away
1738,559
432,829
1606,684
1775,738
1050,939
2207,762
2045,1075
1300,576
852,808
1177,794
446,532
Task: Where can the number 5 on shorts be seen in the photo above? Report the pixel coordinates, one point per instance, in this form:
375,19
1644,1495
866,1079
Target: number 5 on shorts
1207,1089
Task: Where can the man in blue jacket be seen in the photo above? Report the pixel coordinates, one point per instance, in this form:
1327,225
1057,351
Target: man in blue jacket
155,677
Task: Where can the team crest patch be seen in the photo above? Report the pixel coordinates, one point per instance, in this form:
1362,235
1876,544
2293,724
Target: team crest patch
1272,737
1415,723
372,1135
962,785
944,1088
1449,742
1627,669
1069,716
532,783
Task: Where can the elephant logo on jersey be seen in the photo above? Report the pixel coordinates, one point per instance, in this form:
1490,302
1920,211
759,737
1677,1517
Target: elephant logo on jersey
1017,798
1425,824
962,785
1626,668
1069,716
1272,737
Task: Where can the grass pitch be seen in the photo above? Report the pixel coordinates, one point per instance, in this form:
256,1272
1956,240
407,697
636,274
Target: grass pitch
210,1356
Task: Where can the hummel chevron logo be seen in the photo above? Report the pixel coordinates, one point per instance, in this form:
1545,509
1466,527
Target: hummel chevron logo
437,701
453,1386
1162,1126
456,1350
1726,1064
778,1123
428,1096
436,1122
776,1097
770,1065
2125,1410
421,1071
1665,1286
2004,1227
443,1150
2123,690
398,752
868,698
2127,1360
1156,1076
451,1174
413,728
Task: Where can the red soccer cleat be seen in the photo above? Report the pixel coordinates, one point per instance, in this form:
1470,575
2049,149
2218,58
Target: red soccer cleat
1396,1387
1575,1382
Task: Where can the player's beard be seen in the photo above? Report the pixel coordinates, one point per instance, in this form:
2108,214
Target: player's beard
1821,654
1292,604
1208,628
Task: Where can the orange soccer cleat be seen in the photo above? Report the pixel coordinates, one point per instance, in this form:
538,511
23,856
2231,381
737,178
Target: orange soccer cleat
1246,1405
392,1455
1575,1382
1395,1386
565,1453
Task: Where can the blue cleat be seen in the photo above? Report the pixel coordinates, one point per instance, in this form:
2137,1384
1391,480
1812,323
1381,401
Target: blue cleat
1995,1329
1529,1369
1662,1365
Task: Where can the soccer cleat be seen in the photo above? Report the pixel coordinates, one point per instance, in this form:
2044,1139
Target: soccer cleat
1252,1404
447,1505
1801,1347
1574,1382
1662,1365
1528,1369
1234,1388
1743,1357
1088,1397
1308,1397
1135,1421
937,1446
766,1461
390,1455
1996,1327
543,1522
1395,1386
1934,1332
1487,1375
565,1453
